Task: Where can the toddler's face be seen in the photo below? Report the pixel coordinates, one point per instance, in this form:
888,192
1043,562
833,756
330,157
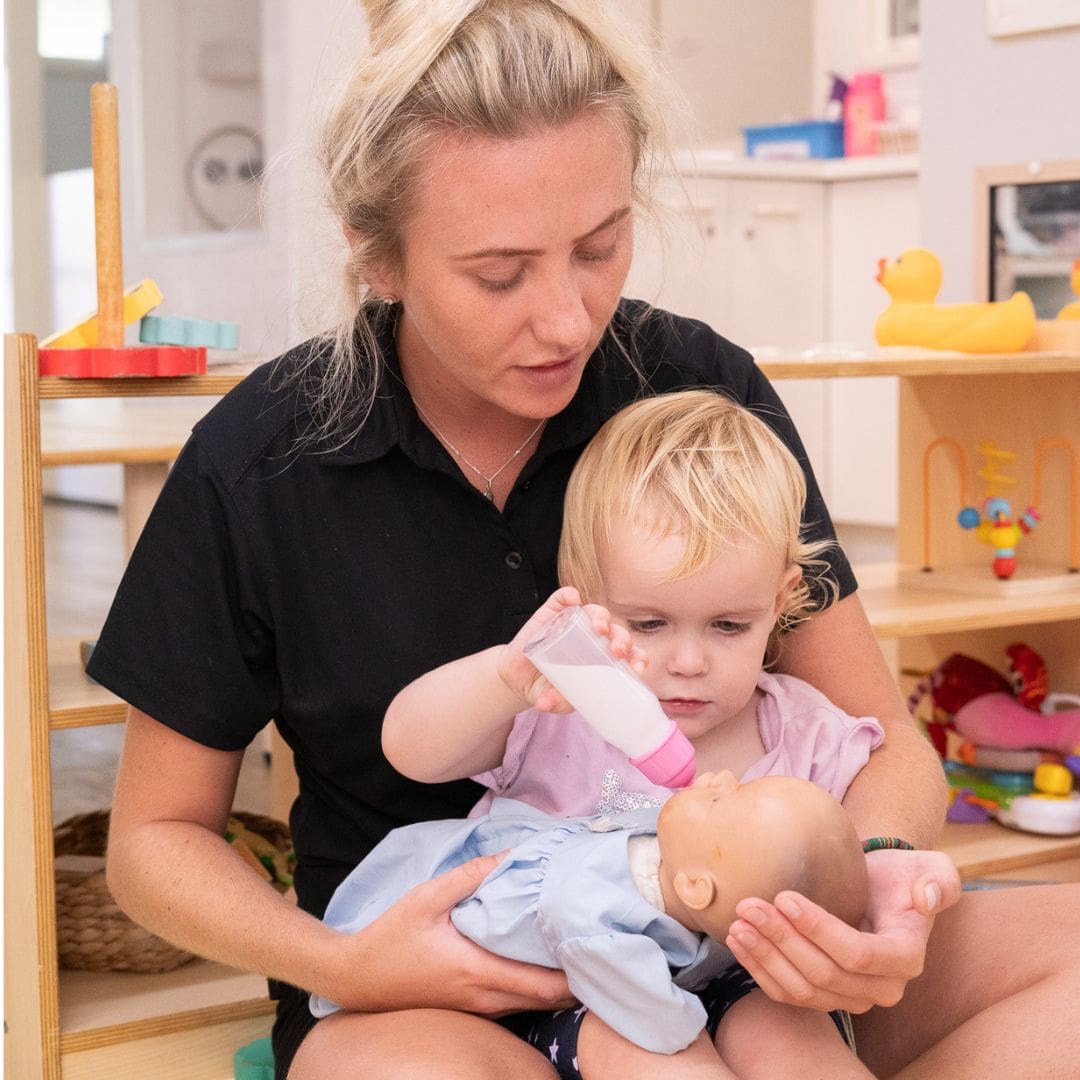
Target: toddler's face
705,635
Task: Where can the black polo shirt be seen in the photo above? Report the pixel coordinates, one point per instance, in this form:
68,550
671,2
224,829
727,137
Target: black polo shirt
310,587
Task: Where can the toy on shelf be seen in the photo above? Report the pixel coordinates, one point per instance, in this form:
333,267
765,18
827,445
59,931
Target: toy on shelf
995,524
139,300
915,318
173,330
106,356
1072,309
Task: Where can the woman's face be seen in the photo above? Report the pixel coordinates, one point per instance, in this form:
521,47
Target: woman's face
514,258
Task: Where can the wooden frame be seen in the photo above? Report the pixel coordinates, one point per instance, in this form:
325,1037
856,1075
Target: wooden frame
991,176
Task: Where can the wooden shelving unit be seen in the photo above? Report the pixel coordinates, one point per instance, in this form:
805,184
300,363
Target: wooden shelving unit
78,1025
1014,400
82,1025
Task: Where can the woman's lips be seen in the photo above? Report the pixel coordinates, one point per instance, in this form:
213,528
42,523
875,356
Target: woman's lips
546,376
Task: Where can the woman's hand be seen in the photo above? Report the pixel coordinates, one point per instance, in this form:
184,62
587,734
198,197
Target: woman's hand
801,955
521,675
413,957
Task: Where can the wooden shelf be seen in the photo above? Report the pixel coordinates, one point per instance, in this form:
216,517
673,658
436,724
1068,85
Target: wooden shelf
896,611
102,1008
990,849
75,700
915,363
219,380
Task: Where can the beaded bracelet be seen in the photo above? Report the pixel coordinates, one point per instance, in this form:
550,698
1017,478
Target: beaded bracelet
886,843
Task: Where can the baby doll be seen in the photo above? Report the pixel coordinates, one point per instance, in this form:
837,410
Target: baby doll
633,907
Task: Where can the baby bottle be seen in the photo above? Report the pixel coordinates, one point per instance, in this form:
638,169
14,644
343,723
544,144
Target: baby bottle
609,695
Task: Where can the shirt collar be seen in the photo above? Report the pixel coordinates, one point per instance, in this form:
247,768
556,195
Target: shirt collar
606,383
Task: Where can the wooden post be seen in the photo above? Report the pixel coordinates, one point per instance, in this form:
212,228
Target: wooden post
105,153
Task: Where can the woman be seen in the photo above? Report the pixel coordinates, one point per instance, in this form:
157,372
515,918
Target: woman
327,520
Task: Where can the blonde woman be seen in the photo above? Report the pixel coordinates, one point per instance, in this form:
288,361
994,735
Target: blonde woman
326,525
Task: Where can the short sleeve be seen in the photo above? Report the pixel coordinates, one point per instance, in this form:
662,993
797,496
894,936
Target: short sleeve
188,640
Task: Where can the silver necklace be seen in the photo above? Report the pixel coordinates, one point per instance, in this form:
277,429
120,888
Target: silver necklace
488,493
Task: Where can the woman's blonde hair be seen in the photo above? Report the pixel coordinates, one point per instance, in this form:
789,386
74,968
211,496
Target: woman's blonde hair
697,464
497,68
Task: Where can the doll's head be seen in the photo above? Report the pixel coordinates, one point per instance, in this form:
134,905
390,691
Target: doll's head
722,841
697,466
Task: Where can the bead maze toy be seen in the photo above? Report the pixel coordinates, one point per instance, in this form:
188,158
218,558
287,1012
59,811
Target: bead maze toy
994,523
108,356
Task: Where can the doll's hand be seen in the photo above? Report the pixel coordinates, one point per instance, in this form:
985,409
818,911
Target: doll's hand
413,957
801,955
519,673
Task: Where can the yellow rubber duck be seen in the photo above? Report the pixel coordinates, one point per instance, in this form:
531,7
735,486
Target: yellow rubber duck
1072,311
914,318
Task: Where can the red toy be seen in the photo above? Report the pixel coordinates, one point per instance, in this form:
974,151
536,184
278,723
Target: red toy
103,362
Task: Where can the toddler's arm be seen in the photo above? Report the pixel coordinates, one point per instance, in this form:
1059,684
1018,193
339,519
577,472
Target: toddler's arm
453,722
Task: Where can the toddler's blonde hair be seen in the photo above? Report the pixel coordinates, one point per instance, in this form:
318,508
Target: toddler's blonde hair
696,464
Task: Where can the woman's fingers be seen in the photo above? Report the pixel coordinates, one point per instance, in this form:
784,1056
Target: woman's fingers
813,959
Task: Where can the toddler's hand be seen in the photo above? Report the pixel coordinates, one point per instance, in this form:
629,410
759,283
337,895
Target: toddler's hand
522,676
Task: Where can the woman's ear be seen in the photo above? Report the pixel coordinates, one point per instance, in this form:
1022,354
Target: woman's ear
696,891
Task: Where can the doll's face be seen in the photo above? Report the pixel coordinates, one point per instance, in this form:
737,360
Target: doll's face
722,841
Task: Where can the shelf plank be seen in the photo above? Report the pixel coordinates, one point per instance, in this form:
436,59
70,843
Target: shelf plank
205,1053
914,363
898,612
101,1008
74,699
988,848
220,379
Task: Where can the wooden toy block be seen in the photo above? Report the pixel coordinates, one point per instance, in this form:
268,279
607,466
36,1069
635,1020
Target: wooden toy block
173,330
108,363
139,300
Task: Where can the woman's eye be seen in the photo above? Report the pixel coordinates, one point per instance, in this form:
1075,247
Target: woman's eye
502,284
597,254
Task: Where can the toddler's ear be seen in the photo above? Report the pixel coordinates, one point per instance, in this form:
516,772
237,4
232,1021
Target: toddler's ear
792,577
696,891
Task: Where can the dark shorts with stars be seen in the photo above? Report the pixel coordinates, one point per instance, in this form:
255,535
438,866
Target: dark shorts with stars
556,1034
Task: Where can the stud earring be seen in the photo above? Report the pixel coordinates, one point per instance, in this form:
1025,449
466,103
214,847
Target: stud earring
389,300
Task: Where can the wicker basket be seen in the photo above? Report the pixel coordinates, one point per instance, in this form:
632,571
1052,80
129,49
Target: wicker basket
92,933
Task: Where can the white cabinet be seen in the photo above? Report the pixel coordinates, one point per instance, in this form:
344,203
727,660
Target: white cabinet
780,257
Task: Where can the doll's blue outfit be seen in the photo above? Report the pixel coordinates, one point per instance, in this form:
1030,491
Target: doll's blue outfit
564,898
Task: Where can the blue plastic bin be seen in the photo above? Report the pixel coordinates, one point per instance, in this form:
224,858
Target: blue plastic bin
810,139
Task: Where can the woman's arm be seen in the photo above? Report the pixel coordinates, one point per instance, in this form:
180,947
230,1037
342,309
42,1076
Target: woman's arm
798,953
902,790
170,869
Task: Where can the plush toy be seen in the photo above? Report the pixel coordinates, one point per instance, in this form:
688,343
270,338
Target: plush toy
1003,721
960,680
914,317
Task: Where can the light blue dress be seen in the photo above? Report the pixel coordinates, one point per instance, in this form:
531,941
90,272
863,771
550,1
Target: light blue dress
562,898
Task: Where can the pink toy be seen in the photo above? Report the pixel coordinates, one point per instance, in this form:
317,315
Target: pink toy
1000,720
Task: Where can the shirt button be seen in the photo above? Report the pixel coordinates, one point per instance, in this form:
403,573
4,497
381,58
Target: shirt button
526,485
514,560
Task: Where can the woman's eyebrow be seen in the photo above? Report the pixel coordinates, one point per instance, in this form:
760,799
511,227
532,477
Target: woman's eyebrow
510,253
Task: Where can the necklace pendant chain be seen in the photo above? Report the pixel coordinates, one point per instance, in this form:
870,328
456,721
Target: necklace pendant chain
489,481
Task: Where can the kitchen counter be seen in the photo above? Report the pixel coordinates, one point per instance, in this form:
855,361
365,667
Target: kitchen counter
723,163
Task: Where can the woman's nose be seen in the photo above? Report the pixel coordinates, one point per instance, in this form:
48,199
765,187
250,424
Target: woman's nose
562,319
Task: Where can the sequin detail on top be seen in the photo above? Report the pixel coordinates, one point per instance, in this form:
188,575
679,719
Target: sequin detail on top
613,800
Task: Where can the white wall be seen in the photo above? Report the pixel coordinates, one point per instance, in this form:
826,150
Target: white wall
1010,100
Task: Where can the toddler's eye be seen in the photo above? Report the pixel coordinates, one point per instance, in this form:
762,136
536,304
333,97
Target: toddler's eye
644,626
726,626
